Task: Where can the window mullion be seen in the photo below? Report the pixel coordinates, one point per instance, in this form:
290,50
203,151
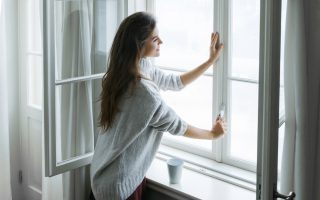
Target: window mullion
220,25
216,144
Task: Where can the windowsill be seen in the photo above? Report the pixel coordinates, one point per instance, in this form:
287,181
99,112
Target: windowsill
224,182
206,165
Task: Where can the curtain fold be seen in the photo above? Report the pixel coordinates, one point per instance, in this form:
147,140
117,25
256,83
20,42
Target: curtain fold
300,160
5,183
310,145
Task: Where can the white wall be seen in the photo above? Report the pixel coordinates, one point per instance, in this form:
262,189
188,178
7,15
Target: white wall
13,83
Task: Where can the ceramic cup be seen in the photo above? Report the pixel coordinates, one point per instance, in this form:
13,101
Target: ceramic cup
175,166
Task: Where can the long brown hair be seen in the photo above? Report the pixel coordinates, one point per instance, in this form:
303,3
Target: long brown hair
123,63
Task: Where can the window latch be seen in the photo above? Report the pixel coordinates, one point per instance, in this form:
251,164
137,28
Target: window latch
276,195
221,111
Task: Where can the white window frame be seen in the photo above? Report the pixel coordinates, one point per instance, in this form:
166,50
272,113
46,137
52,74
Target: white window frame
125,8
53,168
222,17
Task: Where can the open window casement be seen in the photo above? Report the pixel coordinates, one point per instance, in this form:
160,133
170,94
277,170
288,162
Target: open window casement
74,62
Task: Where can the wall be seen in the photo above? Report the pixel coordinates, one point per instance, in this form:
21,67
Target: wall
14,99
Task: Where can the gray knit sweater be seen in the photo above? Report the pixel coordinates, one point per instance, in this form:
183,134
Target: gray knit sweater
125,151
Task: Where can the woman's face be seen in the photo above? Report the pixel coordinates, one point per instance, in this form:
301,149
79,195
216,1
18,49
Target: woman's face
152,46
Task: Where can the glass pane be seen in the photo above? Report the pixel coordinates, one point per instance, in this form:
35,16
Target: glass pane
34,91
100,34
245,19
76,118
194,105
242,135
185,28
74,37
283,25
112,21
283,28
34,27
281,102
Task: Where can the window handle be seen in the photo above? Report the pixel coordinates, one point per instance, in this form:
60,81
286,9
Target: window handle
290,196
221,111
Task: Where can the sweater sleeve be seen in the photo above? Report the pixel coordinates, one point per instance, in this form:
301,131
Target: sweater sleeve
166,81
165,119
163,80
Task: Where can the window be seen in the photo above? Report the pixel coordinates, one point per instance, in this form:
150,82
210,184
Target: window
233,84
74,60
185,28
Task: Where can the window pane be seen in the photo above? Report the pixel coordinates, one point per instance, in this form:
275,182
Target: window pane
243,121
34,91
33,27
184,46
283,25
281,101
76,118
112,21
74,37
283,29
245,18
194,105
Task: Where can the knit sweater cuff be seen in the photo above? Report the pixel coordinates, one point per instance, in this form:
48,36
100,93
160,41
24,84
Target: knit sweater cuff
179,82
183,128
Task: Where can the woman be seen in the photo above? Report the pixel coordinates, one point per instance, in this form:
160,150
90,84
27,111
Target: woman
133,115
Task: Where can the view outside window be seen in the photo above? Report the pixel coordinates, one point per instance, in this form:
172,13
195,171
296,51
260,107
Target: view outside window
243,79
186,40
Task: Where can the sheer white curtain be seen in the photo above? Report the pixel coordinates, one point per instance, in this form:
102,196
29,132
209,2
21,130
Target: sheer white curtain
301,156
5,183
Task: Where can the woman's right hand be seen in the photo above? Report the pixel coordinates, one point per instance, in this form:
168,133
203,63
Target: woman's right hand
215,48
219,128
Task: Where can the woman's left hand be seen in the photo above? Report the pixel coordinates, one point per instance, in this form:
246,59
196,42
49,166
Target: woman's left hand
215,48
